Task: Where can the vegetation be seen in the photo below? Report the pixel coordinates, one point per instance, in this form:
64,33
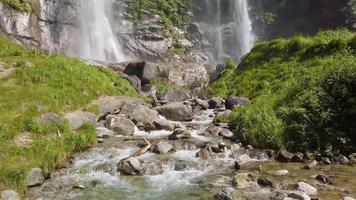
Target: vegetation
302,90
162,86
20,5
42,84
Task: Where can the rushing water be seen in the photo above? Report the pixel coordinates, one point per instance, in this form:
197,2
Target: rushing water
228,27
96,38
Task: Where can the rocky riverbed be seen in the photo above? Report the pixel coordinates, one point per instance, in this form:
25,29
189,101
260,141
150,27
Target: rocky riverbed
143,154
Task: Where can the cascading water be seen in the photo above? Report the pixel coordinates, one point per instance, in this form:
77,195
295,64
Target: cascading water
228,28
96,40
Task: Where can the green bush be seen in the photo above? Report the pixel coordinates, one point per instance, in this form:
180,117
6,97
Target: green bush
20,5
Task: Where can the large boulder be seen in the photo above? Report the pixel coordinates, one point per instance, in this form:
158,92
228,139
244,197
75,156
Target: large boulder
242,160
187,75
305,187
144,115
35,177
111,104
216,102
175,111
284,156
202,104
134,81
9,195
232,102
79,118
145,71
131,166
174,96
163,124
120,125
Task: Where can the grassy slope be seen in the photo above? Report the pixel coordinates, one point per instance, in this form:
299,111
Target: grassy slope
42,84
302,90
20,5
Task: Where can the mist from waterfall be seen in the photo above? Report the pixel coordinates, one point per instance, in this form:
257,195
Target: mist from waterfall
96,38
228,28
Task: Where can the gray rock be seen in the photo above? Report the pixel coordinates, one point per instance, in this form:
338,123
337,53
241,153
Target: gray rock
298,157
282,172
163,148
175,111
174,96
326,161
242,160
306,188
35,177
187,75
134,81
179,134
144,115
9,195
225,194
79,118
298,195
232,102
203,104
50,118
194,28
120,125
348,198
131,166
284,156
311,165
226,133
216,102
341,159
120,104
264,182
163,124
324,179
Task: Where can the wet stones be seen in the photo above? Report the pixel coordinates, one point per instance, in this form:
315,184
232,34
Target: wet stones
282,172
243,180
264,182
179,134
216,102
202,104
120,125
298,157
311,165
35,177
306,188
131,166
324,179
284,156
175,111
163,148
341,159
225,194
163,124
241,161
9,195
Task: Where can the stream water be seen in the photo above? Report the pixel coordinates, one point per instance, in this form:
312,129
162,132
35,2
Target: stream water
177,175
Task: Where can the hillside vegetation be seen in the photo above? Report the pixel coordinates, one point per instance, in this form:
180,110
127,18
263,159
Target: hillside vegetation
43,84
303,92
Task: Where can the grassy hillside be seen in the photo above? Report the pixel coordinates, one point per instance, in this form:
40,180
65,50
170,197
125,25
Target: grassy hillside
41,84
303,92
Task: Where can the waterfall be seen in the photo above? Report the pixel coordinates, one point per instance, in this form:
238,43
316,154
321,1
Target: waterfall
96,39
228,28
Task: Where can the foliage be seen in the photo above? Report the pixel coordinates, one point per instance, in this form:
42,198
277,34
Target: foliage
302,92
43,84
162,86
20,5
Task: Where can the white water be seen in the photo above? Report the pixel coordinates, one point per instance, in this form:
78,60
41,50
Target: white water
96,40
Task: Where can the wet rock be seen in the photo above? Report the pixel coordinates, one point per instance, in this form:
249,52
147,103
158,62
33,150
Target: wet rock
180,166
284,156
131,166
242,160
225,194
249,147
174,96
326,161
306,188
211,131
100,140
348,198
264,182
225,114
175,111
146,116
298,195
282,172
324,179
298,157
309,155
311,165
341,159
225,133
9,195
163,148
232,102
163,124
216,102
243,180
78,186
79,118
35,177
117,104
203,104
205,153
180,133
120,125
104,167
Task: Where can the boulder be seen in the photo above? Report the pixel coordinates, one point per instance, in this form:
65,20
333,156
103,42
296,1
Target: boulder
146,116
282,172
232,102
284,156
225,133
35,177
306,188
264,182
163,124
145,71
242,160
202,104
79,118
243,180
174,96
9,195
341,159
216,102
187,75
179,134
175,111
163,148
48,118
225,194
131,166
311,165
298,157
117,104
120,125
205,153
298,195
324,179
134,81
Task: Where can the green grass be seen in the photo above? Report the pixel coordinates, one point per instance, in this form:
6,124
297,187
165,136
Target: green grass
162,86
20,5
42,84
302,92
